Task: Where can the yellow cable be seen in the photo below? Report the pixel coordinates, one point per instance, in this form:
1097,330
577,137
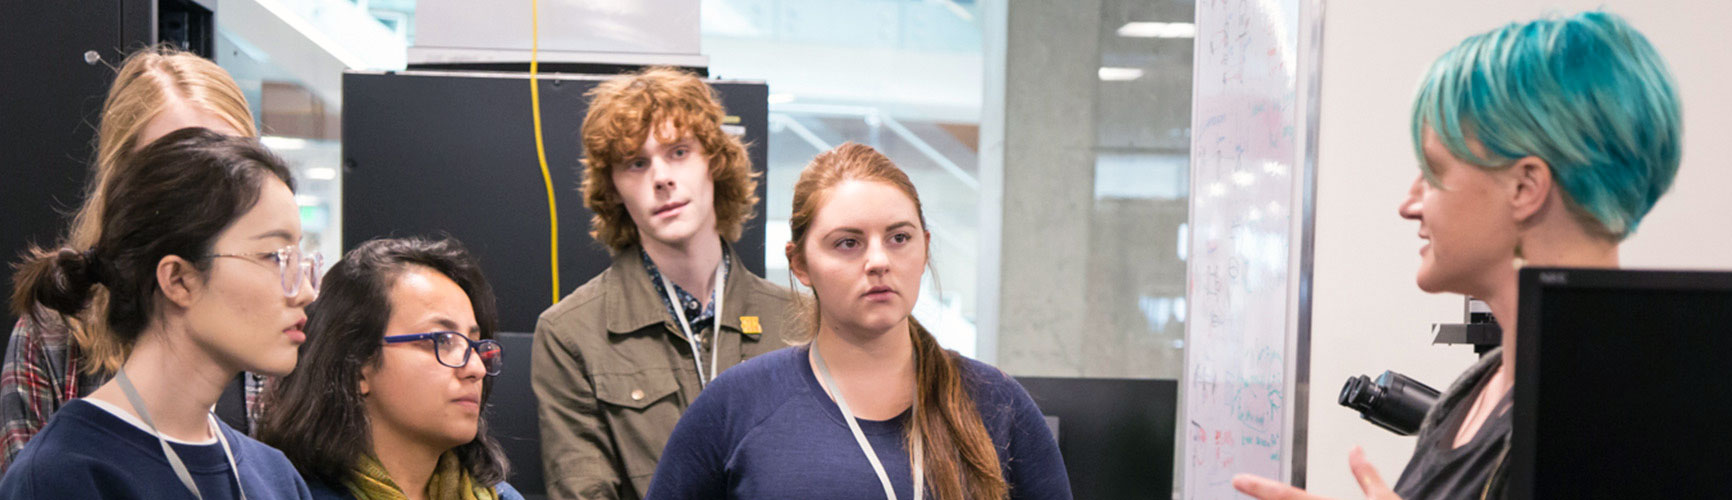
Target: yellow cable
540,149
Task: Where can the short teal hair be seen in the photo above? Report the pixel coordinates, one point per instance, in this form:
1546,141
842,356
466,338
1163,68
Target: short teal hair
1586,93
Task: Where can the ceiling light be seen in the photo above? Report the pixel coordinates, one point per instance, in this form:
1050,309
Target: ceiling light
1158,30
277,143
1112,74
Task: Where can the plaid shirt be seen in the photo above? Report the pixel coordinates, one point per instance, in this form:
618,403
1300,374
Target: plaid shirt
43,372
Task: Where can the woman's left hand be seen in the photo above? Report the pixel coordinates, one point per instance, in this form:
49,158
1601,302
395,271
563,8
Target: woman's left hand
1268,489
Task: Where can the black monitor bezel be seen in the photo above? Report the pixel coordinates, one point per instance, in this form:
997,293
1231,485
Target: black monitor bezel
1534,284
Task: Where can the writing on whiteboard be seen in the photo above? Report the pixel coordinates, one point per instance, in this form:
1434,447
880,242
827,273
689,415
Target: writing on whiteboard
1243,152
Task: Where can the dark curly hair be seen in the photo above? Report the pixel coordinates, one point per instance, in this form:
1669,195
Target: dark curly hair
316,415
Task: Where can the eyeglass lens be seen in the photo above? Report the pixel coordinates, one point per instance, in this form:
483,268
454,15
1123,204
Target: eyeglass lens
295,265
454,350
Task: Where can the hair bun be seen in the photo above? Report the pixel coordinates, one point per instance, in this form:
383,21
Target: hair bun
92,265
60,280
76,269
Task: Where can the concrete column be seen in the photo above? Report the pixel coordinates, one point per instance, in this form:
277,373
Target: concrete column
1037,183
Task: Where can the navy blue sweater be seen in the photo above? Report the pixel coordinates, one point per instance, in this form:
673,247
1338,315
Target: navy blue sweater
86,452
766,430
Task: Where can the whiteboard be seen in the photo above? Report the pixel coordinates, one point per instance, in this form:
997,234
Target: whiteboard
1253,153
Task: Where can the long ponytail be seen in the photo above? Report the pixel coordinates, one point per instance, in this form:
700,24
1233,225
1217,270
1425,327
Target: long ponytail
151,80
961,460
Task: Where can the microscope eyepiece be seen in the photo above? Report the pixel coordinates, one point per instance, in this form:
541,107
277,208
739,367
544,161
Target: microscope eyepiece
1393,401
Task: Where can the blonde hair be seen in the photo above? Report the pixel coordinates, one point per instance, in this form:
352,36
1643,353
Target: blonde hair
145,84
623,112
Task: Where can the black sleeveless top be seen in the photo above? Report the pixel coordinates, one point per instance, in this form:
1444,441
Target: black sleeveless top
1439,470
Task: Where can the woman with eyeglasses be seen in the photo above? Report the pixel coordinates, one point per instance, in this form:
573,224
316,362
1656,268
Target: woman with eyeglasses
52,358
200,287
387,403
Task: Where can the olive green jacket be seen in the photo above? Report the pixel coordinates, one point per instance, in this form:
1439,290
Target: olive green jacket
612,373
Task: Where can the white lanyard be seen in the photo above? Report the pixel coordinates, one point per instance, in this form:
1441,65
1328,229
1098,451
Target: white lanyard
715,324
860,437
174,458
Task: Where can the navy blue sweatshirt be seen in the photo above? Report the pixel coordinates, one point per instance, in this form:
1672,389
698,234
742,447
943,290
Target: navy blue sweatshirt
766,430
87,452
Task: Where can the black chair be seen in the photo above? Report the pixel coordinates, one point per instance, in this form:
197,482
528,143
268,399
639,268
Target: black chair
511,416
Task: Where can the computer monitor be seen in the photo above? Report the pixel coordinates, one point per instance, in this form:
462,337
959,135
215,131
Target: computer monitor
1116,435
1622,385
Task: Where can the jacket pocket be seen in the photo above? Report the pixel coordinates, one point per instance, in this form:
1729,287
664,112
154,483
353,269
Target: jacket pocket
634,391
642,409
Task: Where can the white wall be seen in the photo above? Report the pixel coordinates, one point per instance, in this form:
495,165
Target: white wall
1368,315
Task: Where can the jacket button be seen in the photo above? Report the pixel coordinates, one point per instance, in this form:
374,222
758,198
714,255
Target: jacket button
637,394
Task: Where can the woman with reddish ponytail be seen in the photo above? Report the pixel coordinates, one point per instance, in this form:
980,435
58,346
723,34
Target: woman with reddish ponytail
871,404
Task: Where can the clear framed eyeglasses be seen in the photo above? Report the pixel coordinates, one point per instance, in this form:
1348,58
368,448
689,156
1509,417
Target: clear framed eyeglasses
292,265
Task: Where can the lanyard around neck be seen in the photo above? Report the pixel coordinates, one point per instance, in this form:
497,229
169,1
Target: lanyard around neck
174,458
715,324
860,436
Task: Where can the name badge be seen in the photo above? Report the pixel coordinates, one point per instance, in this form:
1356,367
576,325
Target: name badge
749,325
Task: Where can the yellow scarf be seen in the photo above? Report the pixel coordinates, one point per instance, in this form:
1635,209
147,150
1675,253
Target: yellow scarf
369,481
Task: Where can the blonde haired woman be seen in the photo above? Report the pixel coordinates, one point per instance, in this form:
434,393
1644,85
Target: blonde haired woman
51,358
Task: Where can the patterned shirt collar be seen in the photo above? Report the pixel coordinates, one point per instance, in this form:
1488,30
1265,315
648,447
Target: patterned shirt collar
701,316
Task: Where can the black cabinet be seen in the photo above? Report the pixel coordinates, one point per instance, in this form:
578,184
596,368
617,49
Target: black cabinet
54,75
50,102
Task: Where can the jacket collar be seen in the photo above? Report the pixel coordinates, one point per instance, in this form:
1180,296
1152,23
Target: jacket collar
632,303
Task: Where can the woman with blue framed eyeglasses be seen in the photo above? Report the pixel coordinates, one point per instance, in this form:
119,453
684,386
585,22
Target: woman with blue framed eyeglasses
454,349
387,403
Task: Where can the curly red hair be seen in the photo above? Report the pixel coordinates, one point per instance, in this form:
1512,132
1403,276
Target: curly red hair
624,111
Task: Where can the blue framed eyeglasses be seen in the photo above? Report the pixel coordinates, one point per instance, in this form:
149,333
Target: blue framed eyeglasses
453,349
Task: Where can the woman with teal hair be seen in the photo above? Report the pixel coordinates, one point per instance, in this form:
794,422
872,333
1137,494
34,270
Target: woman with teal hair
1541,143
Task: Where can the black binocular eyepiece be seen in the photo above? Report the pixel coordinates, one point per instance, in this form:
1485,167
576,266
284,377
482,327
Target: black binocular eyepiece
1393,401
